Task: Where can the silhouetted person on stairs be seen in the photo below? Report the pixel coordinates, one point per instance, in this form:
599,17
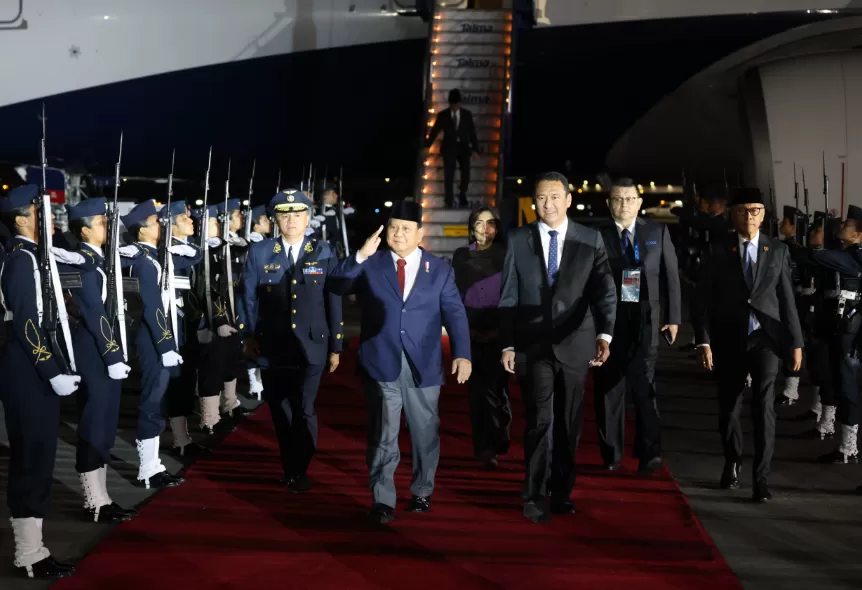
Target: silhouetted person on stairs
459,143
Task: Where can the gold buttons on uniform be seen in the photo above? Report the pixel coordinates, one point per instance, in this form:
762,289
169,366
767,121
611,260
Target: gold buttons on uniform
338,337
293,281
294,311
293,326
294,295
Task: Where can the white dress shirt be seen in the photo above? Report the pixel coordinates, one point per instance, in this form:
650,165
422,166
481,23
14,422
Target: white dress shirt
411,269
631,229
456,118
98,251
296,249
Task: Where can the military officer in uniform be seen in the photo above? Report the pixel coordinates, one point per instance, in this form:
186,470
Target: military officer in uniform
295,324
154,343
30,390
100,361
845,304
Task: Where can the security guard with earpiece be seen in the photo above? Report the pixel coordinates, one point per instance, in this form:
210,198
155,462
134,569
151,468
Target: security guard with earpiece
293,328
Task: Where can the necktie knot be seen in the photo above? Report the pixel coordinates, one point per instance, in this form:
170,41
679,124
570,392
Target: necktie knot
553,233
401,263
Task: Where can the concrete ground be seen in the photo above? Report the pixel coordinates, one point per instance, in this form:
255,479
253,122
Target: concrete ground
808,537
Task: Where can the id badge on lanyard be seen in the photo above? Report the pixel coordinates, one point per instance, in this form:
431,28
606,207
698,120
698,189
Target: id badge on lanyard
630,290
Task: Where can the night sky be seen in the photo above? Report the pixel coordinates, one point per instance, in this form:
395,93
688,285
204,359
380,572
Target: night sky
577,89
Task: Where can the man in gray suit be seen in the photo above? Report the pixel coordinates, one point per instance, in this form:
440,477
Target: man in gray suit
644,266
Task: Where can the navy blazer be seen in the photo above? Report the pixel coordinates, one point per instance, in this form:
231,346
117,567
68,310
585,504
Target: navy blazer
277,303
390,325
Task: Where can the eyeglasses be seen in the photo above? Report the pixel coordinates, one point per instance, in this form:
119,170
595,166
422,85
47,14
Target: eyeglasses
744,211
621,200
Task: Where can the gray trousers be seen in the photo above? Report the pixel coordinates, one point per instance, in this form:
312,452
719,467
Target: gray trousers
385,400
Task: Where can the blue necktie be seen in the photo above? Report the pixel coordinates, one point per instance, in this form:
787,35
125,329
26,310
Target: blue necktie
626,247
553,254
290,261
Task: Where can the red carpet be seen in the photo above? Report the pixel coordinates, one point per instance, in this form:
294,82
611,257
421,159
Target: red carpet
228,526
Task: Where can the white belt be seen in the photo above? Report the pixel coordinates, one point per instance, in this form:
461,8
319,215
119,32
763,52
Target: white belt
842,294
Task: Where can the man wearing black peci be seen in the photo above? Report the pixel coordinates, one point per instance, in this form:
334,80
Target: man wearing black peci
459,143
745,315
644,264
558,304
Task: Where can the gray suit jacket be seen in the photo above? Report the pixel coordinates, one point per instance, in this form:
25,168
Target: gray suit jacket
564,320
660,278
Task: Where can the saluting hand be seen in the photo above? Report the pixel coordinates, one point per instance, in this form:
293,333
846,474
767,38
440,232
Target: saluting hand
463,368
370,246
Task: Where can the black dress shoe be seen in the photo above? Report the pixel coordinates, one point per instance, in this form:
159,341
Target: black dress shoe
190,451
490,463
381,513
238,413
109,513
836,457
47,569
730,475
563,507
536,512
221,427
615,466
503,447
650,467
419,504
160,480
761,492
299,484
130,511
784,401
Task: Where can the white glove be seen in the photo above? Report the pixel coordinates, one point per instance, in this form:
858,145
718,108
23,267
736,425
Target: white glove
349,210
66,257
171,359
225,331
129,251
330,213
214,242
183,250
65,384
313,223
119,371
255,237
320,218
235,240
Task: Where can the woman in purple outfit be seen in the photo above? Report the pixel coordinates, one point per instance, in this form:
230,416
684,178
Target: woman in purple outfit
478,272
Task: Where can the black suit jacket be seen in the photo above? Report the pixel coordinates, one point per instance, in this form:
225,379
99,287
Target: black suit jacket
565,319
723,302
660,270
454,140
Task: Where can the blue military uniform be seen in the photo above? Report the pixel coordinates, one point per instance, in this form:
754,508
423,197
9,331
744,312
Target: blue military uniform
296,323
99,360
155,345
30,390
843,303
180,396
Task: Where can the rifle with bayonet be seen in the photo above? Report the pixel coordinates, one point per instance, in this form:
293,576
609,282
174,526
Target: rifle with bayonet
54,315
204,242
117,284
772,214
825,189
227,262
247,221
276,233
341,211
801,222
166,283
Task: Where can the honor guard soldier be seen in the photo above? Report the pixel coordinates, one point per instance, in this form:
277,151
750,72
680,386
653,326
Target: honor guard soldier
30,390
261,227
99,359
154,343
231,407
180,396
293,328
842,303
787,230
221,359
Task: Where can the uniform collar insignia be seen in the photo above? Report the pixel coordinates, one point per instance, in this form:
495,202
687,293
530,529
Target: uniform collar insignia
277,247
308,248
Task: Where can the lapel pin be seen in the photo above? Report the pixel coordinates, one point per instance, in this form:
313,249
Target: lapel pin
766,248
733,249
427,266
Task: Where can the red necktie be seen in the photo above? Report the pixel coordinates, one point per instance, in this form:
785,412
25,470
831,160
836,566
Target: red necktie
402,276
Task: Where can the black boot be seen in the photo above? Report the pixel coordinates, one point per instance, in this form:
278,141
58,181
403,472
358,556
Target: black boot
47,569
